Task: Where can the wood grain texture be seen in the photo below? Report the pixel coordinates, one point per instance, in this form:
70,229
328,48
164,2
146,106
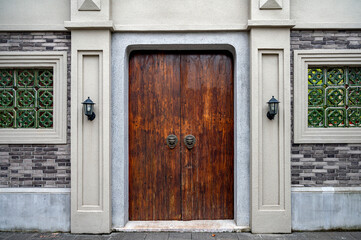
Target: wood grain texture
154,113
207,113
180,93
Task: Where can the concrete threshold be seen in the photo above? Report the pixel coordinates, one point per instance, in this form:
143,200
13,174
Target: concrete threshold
183,226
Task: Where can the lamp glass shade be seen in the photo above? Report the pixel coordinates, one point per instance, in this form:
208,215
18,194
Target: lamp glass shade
273,106
88,106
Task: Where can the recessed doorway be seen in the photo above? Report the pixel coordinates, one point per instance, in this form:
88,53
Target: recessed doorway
181,135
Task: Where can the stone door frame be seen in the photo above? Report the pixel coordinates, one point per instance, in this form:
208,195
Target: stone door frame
122,45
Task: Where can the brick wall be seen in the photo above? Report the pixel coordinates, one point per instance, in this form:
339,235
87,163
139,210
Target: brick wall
36,165
325,164
49,165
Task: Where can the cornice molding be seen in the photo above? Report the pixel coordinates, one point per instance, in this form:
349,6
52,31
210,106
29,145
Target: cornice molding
91,25
271,23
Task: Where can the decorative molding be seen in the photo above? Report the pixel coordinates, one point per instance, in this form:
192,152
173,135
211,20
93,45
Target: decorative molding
89,11
89,5
91,25
271,193
35,190
90,180
270,4
269,10
303,59
327,25
32,27
271,23
327,189
58,62
179,28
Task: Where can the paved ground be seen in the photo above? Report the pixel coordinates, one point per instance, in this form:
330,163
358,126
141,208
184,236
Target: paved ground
183,236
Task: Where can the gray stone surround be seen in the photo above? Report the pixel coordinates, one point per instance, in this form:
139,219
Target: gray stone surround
122,45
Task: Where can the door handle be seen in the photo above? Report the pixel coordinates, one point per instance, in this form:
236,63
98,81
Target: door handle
172,141
190,141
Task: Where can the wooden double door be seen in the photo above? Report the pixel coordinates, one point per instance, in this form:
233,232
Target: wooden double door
180,93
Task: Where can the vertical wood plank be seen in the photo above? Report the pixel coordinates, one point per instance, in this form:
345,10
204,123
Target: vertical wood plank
154,113
207,113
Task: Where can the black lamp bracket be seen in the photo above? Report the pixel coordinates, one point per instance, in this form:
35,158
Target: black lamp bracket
91,117
270,116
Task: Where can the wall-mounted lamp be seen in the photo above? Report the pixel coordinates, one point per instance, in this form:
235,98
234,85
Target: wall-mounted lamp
273,108
88,109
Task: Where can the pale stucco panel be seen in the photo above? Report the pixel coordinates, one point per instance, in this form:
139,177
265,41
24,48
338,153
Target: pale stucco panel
326,13
34,15
179,14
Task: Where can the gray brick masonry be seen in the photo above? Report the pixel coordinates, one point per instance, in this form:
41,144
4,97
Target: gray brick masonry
337,165
36,165
49,165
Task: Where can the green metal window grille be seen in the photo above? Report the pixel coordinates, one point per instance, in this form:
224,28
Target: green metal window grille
26,98
334,97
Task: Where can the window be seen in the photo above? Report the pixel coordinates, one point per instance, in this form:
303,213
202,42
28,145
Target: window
327,96
33,97
334,97
26,98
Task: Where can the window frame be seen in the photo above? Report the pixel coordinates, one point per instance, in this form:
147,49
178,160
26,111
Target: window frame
303,59
58,62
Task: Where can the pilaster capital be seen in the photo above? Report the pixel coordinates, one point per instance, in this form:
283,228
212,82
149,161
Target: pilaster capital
270,13
89,25
90,14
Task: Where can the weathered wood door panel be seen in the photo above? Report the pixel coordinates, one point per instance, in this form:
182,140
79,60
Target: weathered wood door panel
207,114
154,113
180,93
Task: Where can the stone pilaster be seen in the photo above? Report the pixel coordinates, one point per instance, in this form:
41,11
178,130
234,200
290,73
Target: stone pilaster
270,139
90,27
